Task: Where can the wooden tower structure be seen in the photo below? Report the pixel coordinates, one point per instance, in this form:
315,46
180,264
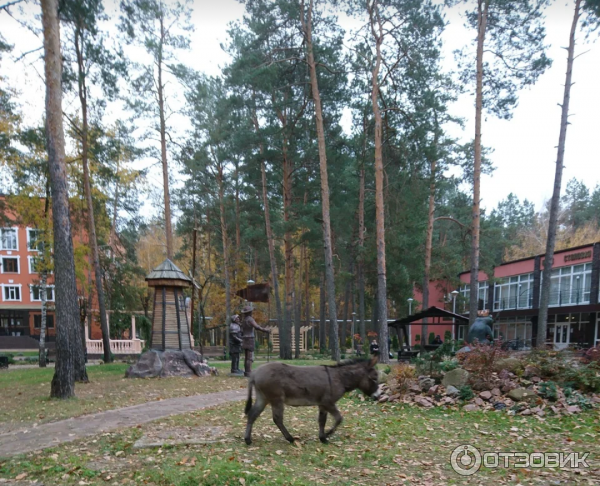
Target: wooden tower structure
170,327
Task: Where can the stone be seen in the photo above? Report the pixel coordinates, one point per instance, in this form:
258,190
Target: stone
499,406
383,398
425,383
535,379
479,401
423,402
573,409
456,378
509,364
527,411
470,407
415,389
530,371
496,392
452,391
486,395
520,394
433,390
155,363
383,377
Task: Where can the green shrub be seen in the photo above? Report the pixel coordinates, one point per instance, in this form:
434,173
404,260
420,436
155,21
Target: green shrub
387,370
465,393
585,378
395,344
431,337
548,389
10,356
417,338
447,336
348,342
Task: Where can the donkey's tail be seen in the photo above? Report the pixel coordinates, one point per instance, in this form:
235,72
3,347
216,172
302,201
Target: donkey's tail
249,400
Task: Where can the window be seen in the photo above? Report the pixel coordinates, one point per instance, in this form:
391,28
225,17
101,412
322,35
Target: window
36,295
37,321
34,241
571,285
12,292
9,239
10,265
482,294
514,292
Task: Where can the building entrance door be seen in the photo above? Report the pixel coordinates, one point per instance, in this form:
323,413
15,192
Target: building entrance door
561,335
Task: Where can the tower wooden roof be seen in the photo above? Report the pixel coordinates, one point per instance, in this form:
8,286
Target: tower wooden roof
169,274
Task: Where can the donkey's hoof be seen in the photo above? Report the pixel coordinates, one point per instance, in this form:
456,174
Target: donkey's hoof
324,440
248,440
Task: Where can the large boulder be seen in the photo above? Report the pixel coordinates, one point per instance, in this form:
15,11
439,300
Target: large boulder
456,378
520,394
510,364
155,363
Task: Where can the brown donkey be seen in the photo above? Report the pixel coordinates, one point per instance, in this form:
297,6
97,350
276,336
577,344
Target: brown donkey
300,386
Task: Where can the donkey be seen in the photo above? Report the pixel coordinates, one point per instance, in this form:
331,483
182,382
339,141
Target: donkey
299,386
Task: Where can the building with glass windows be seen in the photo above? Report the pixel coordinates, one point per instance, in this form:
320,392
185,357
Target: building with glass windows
513,295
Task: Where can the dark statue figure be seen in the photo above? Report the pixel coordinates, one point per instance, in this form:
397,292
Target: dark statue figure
248,327
235,344
481,330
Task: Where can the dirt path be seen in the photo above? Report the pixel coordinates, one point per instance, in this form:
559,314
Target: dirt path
55,433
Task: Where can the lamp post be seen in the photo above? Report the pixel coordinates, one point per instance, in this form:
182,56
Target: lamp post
410,301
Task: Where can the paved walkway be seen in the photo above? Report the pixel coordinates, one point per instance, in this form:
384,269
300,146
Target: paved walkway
55,433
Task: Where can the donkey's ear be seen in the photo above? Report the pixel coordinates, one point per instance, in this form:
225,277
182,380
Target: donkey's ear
373,361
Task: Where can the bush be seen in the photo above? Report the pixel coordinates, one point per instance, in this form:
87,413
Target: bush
549,363
10,356
417,338
481,360
585,378
548,389
431,338
465,393
404,375
447,336
395,344
348,342
592,355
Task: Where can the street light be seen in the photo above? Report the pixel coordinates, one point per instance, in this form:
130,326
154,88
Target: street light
410,301
454,293
250,282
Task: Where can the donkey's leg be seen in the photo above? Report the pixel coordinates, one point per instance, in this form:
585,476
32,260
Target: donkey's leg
322,422
253,414
277,408
335,413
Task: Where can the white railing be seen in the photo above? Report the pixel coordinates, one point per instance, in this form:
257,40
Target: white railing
117,346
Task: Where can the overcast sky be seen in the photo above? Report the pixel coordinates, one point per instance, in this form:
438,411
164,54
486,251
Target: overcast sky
524,147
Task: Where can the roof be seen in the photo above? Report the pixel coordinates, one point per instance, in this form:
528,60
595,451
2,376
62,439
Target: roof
431,312
542,255
167,270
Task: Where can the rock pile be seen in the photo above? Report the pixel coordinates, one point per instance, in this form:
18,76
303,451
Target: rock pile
163,364
506,392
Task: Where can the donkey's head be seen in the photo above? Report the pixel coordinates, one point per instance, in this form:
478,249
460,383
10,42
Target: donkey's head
369,380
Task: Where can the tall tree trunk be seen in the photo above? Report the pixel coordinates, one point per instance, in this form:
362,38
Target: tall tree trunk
307,310
163,141
88,195
346,312
208,257
377,31
429,239
322,325
297,307
329,271
44,299
285,344
299,303
70,365
238,232
482,6
361,250
270,238
555,202
225,250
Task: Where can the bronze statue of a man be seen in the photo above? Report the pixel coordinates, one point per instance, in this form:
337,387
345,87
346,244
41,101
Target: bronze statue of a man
248,327
235,344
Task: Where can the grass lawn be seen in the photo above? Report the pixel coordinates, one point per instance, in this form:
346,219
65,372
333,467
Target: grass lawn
376,444
29,391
